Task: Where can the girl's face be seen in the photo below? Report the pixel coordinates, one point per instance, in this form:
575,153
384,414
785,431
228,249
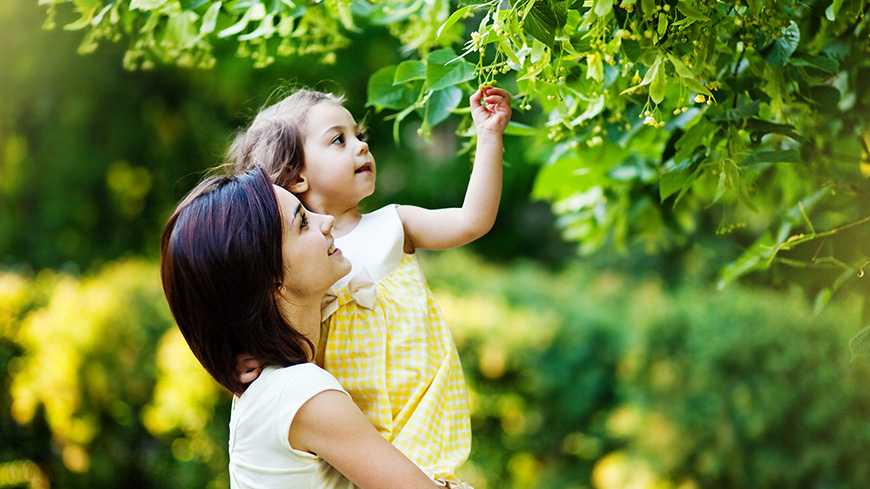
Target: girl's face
339,170
312,263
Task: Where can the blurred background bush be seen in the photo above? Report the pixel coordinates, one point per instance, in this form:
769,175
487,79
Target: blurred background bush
618,371
577,380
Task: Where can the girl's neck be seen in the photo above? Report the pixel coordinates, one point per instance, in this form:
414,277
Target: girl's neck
345,222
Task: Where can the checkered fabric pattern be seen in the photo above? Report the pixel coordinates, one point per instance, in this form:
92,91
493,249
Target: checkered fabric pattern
399,363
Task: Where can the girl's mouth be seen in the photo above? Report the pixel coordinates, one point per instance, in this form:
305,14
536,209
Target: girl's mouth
366,167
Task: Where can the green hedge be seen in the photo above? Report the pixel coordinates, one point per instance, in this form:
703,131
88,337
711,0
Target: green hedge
577,380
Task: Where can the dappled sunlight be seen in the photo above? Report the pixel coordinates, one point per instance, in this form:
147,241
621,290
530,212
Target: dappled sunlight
18,472
183,399
619,470
489,319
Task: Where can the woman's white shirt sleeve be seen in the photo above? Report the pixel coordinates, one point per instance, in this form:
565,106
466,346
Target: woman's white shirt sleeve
260,452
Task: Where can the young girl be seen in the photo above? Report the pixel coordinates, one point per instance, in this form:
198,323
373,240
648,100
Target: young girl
386,339
244,268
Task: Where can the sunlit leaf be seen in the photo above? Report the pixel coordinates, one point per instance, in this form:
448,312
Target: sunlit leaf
518,129
441,104
602,7
541,22
779,52
833,10
691,12
383,93
209,20
443,69
146,4
657,87
410,70
454,17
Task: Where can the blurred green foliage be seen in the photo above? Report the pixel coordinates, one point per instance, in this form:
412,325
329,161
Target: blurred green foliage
577,380
656,122
94,157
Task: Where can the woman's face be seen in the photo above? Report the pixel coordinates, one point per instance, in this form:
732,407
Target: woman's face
312,263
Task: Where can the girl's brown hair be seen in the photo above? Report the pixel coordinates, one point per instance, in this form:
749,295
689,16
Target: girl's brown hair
275,138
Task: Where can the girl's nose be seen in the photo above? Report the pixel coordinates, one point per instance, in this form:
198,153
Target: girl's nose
363,148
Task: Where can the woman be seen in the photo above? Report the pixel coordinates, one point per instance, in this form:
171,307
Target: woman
245,267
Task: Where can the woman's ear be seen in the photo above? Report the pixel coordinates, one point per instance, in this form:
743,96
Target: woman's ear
299,185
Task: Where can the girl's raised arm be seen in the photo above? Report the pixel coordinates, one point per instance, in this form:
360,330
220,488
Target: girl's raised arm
440,229
334,428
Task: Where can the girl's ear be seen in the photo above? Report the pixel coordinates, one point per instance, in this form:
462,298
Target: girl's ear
299,185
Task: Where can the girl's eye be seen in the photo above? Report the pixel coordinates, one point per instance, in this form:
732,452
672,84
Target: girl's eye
338,139
362,136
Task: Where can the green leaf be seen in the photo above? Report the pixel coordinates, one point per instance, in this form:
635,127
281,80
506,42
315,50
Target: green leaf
695,86
541,22
754,6
382,93
452,20
675,180
781,50
860,343
410,70
441,104
209,19
663,25
83,21
595,107
823,63
146,4
648,7
657,88
825,97
443,69
681,69
783,156
695,136
739,112
754,258
517,129
691,12
759,128
238,27
265,29
833,10
602,7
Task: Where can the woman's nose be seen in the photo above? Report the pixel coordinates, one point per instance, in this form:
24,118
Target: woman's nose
326,222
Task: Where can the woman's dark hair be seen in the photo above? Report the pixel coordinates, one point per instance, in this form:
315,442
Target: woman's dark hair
221,264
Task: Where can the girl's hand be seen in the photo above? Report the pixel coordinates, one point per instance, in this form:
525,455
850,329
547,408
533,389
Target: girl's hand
495,115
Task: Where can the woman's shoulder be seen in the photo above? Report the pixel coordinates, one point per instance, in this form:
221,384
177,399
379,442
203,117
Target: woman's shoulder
296,382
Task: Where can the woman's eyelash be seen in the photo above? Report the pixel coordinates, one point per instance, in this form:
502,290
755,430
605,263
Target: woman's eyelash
304,222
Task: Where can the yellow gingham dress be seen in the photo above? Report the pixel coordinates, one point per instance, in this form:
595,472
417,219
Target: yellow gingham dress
396,357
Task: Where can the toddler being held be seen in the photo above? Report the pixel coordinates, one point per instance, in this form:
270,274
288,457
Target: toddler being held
386,340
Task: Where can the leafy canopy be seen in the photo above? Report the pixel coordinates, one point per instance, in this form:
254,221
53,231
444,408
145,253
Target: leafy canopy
648,116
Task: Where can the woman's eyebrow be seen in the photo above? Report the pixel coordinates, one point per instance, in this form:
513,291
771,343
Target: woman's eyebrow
296,213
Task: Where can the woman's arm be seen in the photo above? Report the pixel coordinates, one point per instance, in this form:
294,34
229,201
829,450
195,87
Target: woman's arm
439,229
332,426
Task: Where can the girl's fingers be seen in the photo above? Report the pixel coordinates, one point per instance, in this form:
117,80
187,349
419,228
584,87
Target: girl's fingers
477,97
